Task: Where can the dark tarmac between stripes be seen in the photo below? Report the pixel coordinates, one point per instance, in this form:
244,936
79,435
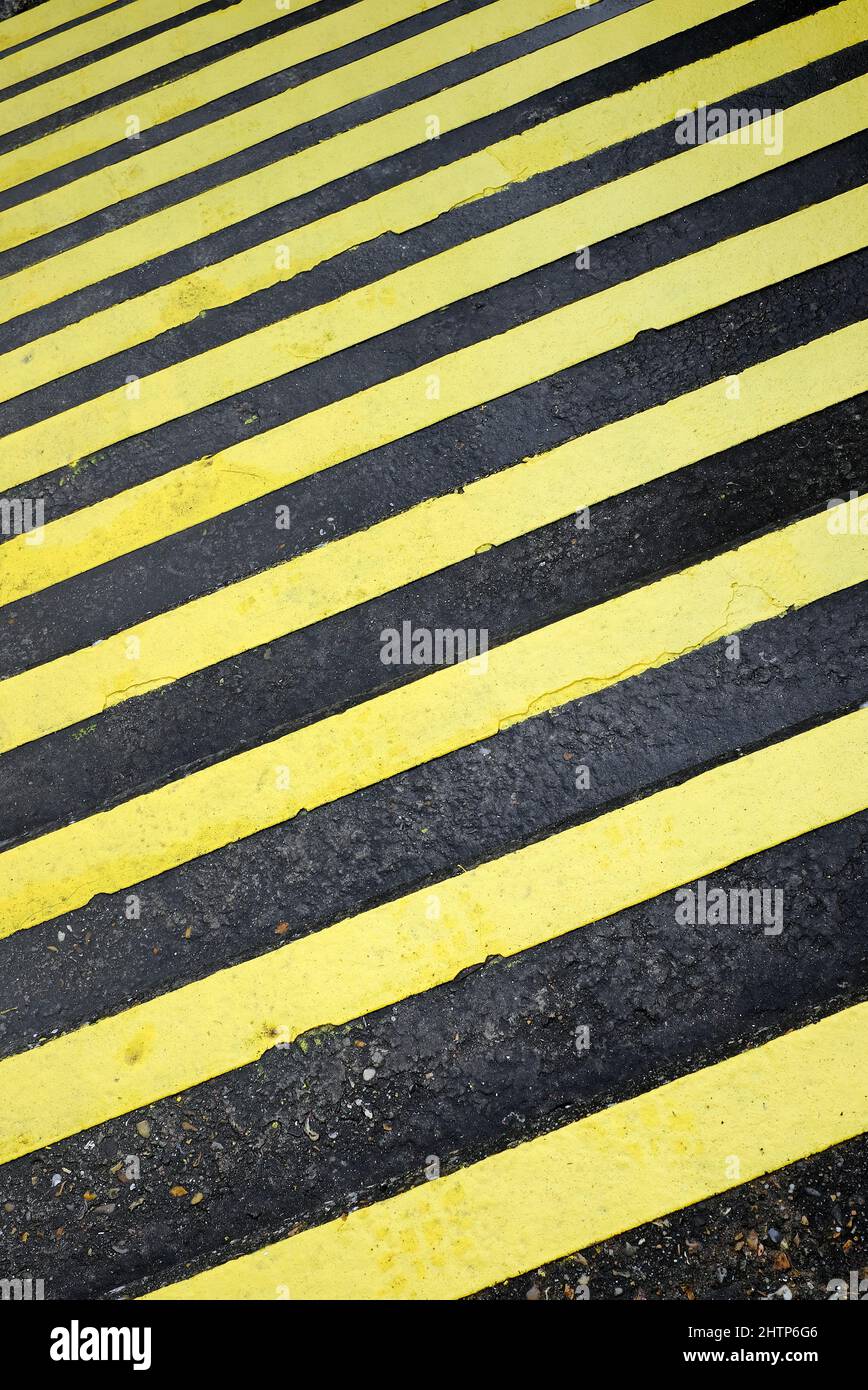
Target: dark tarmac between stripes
358,1111
348,1115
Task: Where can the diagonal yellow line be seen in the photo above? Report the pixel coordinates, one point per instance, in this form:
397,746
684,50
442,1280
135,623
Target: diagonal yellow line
607,1173
404,947
358,148
77,43
431,536
408,294
30,24
411,724
218,79
829,116
402,405
272,117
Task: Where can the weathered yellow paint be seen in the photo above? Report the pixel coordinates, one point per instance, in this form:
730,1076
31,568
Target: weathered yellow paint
411,724
20,28
75,43
61,94
419,200
362,314
188,93
401,948
376,72
236,132
164,231
634,1161
440,532
609,1172
398,407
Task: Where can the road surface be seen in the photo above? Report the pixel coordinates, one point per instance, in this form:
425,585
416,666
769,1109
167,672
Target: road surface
433,751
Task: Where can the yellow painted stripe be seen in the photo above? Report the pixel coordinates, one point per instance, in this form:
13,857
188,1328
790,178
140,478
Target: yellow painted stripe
311,168
78,42
229,75
402,948
455,706
20,28
607,1173
267,119
403,405
830,115
187,93
468,268
429,537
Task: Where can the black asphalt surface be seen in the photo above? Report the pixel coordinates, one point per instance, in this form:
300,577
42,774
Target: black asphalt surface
463,1071
350,1115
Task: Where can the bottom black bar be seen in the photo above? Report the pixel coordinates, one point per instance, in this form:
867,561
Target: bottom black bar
69,1339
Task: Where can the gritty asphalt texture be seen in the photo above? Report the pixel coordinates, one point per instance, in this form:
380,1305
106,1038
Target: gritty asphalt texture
489,1060
348,1115
389,839
528,583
